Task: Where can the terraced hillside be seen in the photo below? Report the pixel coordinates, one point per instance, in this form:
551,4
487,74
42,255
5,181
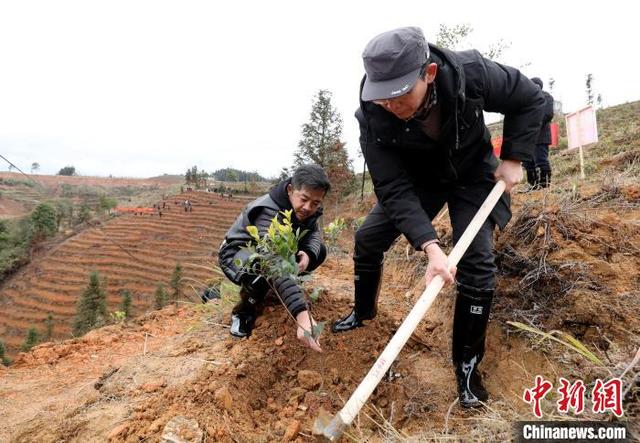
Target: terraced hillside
134,252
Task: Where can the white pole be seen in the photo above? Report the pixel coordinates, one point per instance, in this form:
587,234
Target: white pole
580,153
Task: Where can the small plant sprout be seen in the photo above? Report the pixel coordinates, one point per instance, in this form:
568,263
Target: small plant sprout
118,316
273,256
358,222
333,230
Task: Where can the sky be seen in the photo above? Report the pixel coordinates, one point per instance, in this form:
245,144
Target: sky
142,88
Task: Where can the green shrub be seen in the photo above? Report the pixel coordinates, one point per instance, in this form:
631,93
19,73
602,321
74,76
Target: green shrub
3,359
160,298
333,230
30,341
44,221
84,214
107,203
92,307
15,244
48,323
125,306
176,279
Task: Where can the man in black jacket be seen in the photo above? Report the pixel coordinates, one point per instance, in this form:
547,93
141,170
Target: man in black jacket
303,193
538,168
424,139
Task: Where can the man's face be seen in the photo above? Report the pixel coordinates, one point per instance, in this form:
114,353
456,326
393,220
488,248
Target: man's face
406,105
305,201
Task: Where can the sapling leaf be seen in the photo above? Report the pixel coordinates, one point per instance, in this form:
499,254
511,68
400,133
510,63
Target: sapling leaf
315,294
253,232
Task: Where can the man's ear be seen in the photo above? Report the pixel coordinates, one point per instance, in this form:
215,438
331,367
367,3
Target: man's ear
432,70
289,189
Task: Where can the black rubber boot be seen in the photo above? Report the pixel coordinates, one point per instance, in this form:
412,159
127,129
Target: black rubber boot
210,293
244,314
533,178
469,332
367,281
545,178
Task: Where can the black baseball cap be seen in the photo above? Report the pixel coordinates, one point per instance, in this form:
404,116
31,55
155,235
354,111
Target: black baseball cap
392,61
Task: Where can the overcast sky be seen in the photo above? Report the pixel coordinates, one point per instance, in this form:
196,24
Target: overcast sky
141,88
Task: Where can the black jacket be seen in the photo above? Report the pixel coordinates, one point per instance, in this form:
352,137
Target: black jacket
259,213
545,130
405,163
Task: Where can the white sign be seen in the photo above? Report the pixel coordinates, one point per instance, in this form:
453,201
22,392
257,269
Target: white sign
582,128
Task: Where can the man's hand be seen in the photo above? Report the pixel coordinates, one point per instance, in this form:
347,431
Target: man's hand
438,265
306,324
303,261
510,171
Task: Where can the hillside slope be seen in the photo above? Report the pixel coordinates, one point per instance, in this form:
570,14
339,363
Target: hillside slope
568,261
134,252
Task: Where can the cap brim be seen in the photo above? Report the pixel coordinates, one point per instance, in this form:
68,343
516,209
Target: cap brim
386,89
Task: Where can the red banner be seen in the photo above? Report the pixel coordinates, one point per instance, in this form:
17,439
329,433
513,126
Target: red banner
497,145
554,135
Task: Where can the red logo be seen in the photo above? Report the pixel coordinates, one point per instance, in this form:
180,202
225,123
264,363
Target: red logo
571,396
537,393
608,396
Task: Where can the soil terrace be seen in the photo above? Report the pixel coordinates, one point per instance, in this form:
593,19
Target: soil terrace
133,252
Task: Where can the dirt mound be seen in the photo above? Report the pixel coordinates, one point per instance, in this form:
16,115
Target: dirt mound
572,264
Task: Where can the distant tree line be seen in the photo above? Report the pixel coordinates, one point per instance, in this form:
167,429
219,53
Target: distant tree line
194,177
19,236
198,178
67,170
237,175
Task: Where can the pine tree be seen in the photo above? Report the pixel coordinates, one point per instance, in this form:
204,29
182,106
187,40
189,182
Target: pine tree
3,359
92,309
451,37
160,296
551,83
175,282
321,133
30,341
48,323
126,303
589,86
320,144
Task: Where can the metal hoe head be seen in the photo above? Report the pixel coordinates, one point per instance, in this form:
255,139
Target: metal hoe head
331,428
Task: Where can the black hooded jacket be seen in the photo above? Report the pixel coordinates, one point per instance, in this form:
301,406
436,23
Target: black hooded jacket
405,163
545,130
259,213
